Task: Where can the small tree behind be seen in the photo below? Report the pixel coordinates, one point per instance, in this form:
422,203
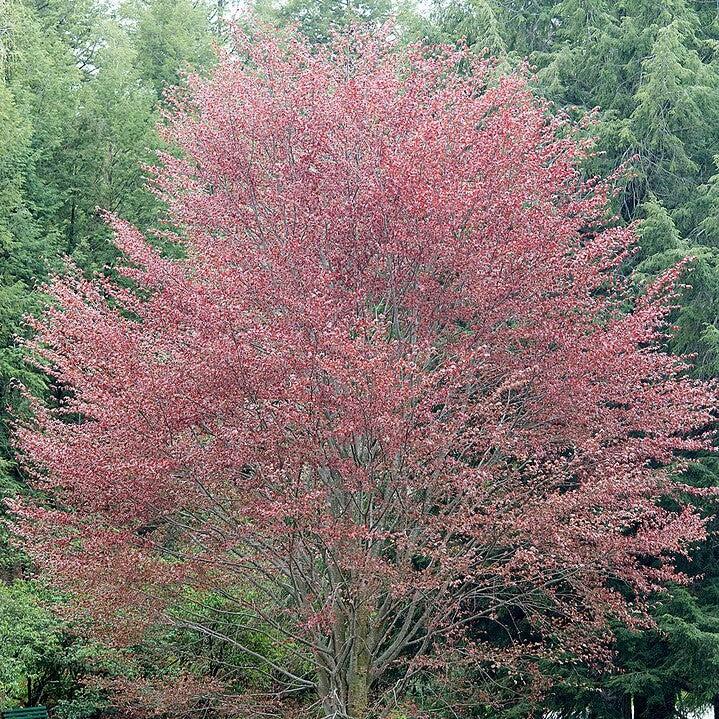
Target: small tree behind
396,400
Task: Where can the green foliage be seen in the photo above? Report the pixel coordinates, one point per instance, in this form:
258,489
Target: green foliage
704,211
674,102
319,20
169,37
680,656
36,71
40,661
29,635
474,22
114,136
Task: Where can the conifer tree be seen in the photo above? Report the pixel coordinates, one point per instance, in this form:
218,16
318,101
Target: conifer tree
473,22
319,20
671,127
169,38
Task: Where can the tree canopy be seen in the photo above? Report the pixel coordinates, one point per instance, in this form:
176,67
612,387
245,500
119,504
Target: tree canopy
84,87
392,399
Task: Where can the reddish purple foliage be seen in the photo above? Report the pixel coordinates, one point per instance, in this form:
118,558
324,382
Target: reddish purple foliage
398,387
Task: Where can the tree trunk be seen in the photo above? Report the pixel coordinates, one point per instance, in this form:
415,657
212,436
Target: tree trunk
358,680
715,706
624,705
659,708
667,709
71,229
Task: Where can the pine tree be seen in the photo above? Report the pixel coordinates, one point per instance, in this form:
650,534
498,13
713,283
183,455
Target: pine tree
674,105
319,20
473,22
169,38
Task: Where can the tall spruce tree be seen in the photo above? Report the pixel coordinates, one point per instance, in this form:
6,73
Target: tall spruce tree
320,20
473,22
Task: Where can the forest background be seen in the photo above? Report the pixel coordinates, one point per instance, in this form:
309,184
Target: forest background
81,93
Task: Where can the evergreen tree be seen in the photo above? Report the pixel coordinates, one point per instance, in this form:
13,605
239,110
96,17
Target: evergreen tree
671,129
318,20
168,38
474,22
